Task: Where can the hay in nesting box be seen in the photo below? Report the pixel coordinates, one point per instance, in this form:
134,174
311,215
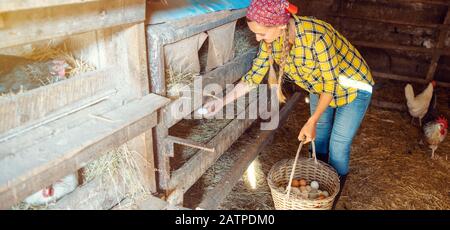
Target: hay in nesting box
116,166
244,40
121,162
50,52
76,65
176,80
197,130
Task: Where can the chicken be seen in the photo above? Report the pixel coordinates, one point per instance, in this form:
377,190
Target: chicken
436,126
418,105
17,73
435,132
54,191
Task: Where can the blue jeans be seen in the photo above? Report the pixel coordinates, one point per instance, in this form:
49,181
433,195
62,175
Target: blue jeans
337,127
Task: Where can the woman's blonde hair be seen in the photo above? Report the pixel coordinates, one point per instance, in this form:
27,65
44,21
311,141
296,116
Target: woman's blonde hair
273,80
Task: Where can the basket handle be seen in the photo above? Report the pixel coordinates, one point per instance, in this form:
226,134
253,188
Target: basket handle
295,164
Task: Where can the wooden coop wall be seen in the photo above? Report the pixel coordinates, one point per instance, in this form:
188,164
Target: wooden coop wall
401,40
54,130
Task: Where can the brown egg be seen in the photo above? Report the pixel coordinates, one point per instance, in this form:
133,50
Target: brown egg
296,191
304,195
295,183
302,182
303,189
321,197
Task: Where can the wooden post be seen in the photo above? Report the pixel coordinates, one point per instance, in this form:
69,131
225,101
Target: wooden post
440,45
143,147
2,22
161,132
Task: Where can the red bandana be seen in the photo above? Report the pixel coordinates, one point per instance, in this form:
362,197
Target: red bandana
270,12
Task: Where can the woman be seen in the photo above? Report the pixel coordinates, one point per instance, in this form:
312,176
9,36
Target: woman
319,59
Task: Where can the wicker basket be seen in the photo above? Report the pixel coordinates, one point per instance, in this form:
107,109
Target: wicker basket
309,169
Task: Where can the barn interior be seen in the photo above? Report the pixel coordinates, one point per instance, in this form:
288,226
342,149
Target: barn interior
97,109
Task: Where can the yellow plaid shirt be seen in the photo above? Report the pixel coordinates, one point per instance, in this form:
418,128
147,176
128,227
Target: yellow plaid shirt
317,60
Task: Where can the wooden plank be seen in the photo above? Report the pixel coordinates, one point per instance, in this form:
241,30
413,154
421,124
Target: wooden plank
98,194
191,171
384,45
161,132
8,5
388,105
408,79
28,170
142,148
440,44
35,105
148,203
390,21
2,22
23,27
209,21
227,74
214,197
156,65
150,163
187,27
189,143
127,49
435,2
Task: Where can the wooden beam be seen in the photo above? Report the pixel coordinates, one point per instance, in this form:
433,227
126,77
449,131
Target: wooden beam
147,203
384,45
189,143
214,197
25,169
8,5
55,100
48,23
142,149
390,21
440,44
408,79
389,105
434,2
2,22
154,203
161,132
191,171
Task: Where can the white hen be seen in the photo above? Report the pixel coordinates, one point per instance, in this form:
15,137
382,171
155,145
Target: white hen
54,191
418,105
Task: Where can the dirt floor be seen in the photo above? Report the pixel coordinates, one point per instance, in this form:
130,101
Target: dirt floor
388,168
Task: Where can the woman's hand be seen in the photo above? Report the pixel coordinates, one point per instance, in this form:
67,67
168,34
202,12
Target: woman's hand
213,107
308,132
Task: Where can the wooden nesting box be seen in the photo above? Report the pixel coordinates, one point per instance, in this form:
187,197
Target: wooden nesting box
222,71
54,130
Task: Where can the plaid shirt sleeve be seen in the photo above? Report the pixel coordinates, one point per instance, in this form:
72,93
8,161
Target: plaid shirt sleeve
328,63
259,68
